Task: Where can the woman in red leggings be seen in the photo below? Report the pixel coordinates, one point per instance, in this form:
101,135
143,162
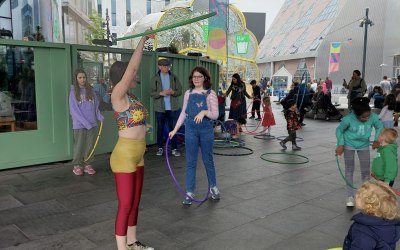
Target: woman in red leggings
127,157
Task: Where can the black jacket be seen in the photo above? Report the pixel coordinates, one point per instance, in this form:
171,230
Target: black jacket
371,232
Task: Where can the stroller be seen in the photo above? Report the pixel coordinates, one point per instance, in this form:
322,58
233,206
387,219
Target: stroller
323,109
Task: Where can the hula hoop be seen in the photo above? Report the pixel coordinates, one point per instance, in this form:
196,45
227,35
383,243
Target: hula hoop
253,132
264,137
225,143
285,162
97,140
188,21
249,152
342,175
177,185
281,138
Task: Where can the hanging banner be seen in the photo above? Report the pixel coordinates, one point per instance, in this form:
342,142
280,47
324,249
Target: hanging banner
242,43
334,57
217,28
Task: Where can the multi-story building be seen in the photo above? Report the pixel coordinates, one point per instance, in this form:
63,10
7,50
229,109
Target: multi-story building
67,20
298,42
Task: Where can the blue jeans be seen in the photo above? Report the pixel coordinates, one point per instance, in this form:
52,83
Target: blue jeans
388,124
168,117
201,135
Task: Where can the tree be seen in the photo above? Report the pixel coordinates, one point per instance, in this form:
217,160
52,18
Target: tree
96,30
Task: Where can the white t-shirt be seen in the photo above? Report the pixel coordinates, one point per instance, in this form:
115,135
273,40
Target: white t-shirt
386,114
386,87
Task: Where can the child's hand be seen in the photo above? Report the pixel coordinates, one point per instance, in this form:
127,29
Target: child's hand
199,117
375,145
171,134
339,150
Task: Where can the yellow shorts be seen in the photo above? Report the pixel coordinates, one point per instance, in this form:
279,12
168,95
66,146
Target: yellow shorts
127,155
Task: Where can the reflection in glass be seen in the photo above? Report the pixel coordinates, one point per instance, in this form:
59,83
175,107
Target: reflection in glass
17,89
96,65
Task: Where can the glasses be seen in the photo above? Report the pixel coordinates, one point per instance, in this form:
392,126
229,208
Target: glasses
197,77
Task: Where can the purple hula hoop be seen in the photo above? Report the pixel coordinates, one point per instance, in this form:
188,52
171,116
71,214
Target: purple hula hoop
177,185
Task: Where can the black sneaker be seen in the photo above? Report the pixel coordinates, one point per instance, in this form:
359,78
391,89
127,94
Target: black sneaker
282,145
302,124
251,117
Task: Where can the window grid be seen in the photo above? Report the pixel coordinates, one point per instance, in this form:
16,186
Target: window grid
285,5
296,47
305,20
128,13
330,11
99,8
113,13
317,41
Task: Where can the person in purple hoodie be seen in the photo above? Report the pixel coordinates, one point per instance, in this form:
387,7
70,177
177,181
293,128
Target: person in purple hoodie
378,224
85,113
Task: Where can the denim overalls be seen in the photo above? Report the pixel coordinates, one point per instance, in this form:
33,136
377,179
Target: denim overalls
198,135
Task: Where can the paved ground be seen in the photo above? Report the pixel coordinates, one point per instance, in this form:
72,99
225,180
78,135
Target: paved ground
263,206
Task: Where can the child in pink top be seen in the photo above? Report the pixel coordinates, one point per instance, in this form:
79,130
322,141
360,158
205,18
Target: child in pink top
200,107
268,118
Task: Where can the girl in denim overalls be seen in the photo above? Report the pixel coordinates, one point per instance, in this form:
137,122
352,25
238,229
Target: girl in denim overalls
200,107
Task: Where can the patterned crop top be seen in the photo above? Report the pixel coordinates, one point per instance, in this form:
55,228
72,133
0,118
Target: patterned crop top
135,115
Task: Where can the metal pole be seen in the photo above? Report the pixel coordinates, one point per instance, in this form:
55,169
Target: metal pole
366,23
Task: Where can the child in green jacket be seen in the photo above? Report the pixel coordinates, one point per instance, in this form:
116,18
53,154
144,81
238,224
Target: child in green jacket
384,166
353,135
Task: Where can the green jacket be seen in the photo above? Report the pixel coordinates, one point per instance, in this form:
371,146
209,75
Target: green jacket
384,166
354,133
156,88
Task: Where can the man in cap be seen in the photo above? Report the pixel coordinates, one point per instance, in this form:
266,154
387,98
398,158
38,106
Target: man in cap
165,89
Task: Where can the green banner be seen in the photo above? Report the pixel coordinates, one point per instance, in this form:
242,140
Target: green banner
205,33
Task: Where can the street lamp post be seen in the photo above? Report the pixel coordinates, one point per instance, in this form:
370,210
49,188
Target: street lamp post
367,22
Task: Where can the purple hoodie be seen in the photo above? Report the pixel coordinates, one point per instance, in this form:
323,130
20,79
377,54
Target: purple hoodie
85,114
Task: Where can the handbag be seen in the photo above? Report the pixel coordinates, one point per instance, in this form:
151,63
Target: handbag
235,103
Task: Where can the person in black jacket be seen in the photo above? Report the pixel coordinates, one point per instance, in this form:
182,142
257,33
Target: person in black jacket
256,100
378,224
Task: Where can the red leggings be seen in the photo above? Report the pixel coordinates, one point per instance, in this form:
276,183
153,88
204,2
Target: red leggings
129,189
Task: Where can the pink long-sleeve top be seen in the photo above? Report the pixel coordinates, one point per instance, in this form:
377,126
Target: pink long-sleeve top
212,104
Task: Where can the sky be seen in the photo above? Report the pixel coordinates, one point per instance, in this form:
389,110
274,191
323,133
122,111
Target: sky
270,7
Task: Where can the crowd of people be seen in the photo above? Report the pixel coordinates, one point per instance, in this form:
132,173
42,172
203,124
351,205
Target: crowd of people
202,106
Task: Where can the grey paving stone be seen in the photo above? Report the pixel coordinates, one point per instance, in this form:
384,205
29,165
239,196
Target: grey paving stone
255,188
11,236
264,205
45,226
101,234
199,227
65,241
296,219
30,212
248,236
90,198
310,240
98,213
7,202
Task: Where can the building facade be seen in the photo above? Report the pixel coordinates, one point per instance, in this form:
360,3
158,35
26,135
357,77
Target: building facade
301,35
67,20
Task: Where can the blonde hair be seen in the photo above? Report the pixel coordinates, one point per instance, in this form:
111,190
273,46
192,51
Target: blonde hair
390,134
377,199
266,100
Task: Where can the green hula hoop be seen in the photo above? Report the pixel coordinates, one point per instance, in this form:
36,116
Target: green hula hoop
226,143
285,162
341,174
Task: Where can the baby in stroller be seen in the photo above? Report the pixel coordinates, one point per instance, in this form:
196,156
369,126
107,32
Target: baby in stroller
322,107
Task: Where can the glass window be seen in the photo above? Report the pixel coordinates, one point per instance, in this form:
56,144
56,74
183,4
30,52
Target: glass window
305,20
17,89
285,5
99,8
128,13
330,11
297,45
317,41
280,48
113,13
302,72
167,2
148,7
288,26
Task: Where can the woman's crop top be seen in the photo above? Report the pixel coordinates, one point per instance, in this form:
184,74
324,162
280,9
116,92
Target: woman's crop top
135,115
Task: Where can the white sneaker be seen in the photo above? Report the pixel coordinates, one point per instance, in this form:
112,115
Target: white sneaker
350,201
160,152
215,194
175,152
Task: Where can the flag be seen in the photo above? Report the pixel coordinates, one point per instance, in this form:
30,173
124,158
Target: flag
334,57
217,30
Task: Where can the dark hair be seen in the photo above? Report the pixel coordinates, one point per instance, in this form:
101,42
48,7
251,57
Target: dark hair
360,105
390,101
253,82
290,103
117,71
357,72
241,120
204,72
88,88
237,77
